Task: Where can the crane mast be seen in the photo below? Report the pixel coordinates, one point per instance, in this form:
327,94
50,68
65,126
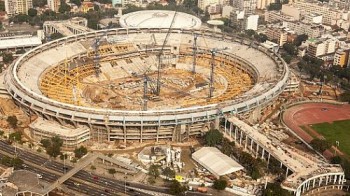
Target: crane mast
212,62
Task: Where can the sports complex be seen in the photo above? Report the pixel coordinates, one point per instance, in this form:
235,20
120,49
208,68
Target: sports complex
144,83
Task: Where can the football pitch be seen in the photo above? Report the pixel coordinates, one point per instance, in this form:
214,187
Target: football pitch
336,131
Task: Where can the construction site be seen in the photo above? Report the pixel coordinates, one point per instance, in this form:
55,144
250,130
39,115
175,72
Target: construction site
144,83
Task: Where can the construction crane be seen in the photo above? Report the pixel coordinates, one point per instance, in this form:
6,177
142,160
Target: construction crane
194,53
161,52
211,83
97,57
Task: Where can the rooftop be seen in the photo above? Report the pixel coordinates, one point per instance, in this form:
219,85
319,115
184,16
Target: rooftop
159,19
215,161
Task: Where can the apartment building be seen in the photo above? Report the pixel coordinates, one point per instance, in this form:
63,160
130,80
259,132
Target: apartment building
54,5
13,7
312,30
341,57
277,34
329,15
321,47
263,4
277,16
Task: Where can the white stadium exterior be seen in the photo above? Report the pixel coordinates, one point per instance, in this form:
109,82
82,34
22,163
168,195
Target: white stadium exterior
159,19
268,70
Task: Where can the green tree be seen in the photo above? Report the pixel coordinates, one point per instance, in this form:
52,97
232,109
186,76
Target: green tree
20,51
7,57
336,160
320,145
2,6
287,58
76,2
12,121
345,96
169,173
39,3
16,136
112,171
299,39
153,171
274,189
45,142
220,184
64,7
213,137
250,32
52,146
54,36
1,133
260,37
274,6
32,12
176,188
11,162
80,152
290,48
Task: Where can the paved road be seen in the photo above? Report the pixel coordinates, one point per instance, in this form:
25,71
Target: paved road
42,165
82,181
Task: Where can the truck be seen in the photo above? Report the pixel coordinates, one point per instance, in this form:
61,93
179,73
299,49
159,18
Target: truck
202,189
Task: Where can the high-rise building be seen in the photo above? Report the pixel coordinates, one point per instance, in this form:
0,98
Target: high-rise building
54,5
13,7
262,4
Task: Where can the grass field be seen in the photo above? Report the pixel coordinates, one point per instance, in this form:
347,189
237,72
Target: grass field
336,131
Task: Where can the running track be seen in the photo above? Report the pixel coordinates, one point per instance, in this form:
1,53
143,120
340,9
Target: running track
313,113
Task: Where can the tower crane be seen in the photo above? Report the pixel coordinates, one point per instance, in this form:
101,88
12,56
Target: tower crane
194,53
211,84
161,52
97,57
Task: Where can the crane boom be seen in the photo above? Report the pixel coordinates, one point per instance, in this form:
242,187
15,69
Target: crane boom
211,84
161,52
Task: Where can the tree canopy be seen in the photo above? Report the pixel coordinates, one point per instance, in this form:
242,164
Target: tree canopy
168,172
64,7
80,152
16,136
176,188
32,12
153,171
220,184
213,137
275,189
52,146
7,57
12,121
320,145
345,96
11,162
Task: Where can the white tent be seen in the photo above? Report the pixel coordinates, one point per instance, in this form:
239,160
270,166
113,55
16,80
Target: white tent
216,162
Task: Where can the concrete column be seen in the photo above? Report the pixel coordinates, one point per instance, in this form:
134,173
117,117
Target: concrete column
320,181
263,153
281,164
251,145
257,150
335,179
268,159
235,134
246,142
225,125
240,138
327,180
313,183
231,129
287,172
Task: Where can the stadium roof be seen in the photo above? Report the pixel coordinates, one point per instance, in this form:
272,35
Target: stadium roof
159,19
216,162
19,42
